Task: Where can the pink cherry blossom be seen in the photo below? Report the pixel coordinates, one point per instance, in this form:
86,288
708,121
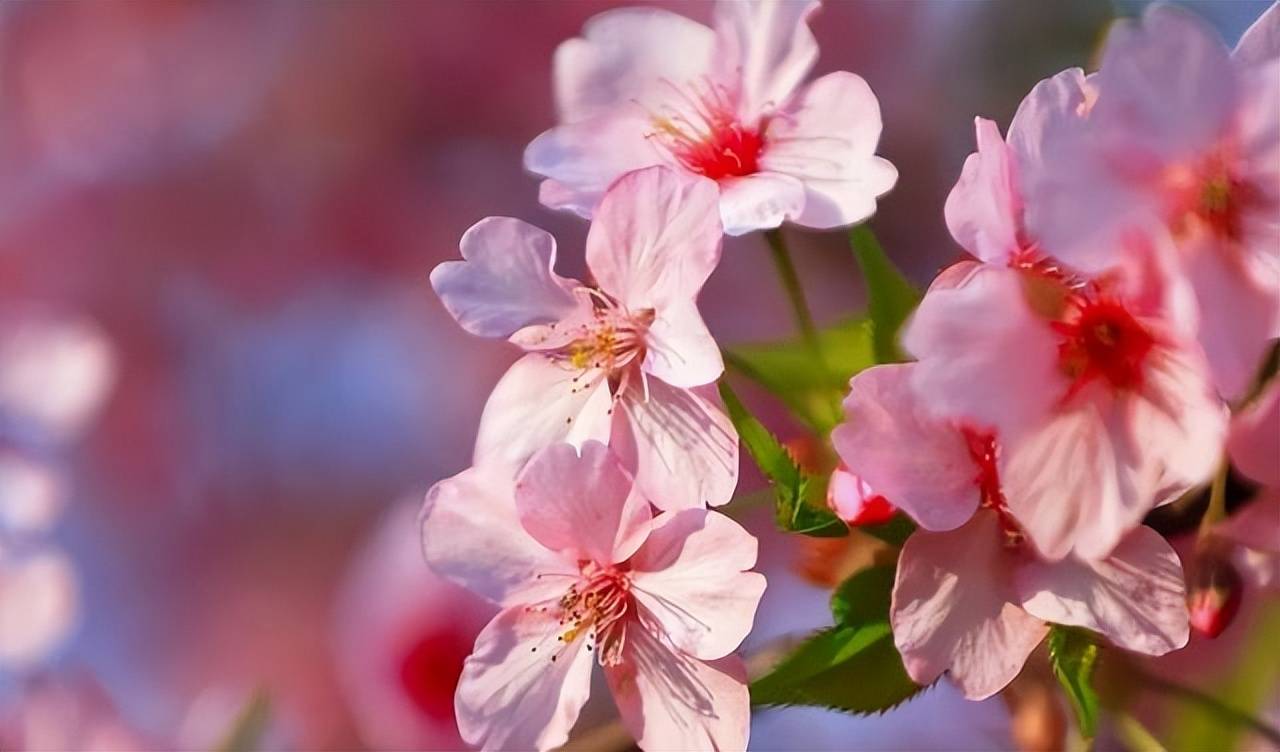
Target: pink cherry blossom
1183,140
1103,406
629,361
644,86
1254,443
582,569
971,598
1255,533
854,501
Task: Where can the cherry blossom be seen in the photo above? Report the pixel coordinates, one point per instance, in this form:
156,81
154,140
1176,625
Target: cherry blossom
971,598
1104,407
645,86
1184,141
854,501
582,569
628,361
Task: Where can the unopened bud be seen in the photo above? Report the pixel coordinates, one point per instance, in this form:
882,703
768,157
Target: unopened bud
1213,597
854,501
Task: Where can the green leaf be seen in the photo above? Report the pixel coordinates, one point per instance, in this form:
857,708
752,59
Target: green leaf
797,510
1073,653
787,370
852,666
894,532
890,296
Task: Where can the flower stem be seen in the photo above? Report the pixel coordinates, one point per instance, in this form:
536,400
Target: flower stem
1224,711
795,293
1217,509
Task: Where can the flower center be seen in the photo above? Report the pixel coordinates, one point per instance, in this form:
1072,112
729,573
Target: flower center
704,134
611,340
595,605
985,453
1212,195
1100,339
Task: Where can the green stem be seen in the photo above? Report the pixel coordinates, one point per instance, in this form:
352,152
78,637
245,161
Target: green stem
1213,704
1217,509
795,293
1136,736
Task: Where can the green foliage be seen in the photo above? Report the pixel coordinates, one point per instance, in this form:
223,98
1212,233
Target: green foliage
894,532
1073,653
852,666
798,509
890,296
787,370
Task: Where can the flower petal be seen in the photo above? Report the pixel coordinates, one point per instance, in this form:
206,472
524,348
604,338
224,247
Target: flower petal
1254,445
768,47
1054,109
984,209
581,505
761,201
1260,43
539,402
681,443
512,694
680,350
655,238
827,139
474,512
690,577
582,159
967,338
1257,525
952,609
671,701
505,282
626,55
919,463
1136,596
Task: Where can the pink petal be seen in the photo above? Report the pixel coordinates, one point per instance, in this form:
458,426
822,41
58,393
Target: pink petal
582,159
1167,83
952,609
827,138
33,494
968,339
761,201
680,350
1260,42
681,443
1257,525
628,55
1254,444
583,505
512,695
1054,109
671,701
474,511
39,606
690,577
505,282
921,464
655,238
539,402
1136,597
55,374
768,47
984,209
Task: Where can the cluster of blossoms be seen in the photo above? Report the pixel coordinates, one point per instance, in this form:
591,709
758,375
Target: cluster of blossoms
1081,370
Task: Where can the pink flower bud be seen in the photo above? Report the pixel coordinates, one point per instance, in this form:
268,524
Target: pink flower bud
1213,596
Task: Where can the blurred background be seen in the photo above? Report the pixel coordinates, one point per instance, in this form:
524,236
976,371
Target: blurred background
225,383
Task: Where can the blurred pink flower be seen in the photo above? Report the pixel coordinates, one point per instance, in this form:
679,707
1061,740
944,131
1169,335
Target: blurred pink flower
1254,443
1255,531
1103,408
401,635
644,86
629,361
54,374
1182,140
573,555
39,604
53,714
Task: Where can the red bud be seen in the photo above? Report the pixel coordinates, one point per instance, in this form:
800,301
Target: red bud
1214,594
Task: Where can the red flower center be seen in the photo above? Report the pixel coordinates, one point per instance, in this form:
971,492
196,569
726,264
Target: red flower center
705,135
984,452
1102,340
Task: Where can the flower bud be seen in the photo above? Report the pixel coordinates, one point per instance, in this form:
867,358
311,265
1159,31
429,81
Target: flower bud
855,502
1213,596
